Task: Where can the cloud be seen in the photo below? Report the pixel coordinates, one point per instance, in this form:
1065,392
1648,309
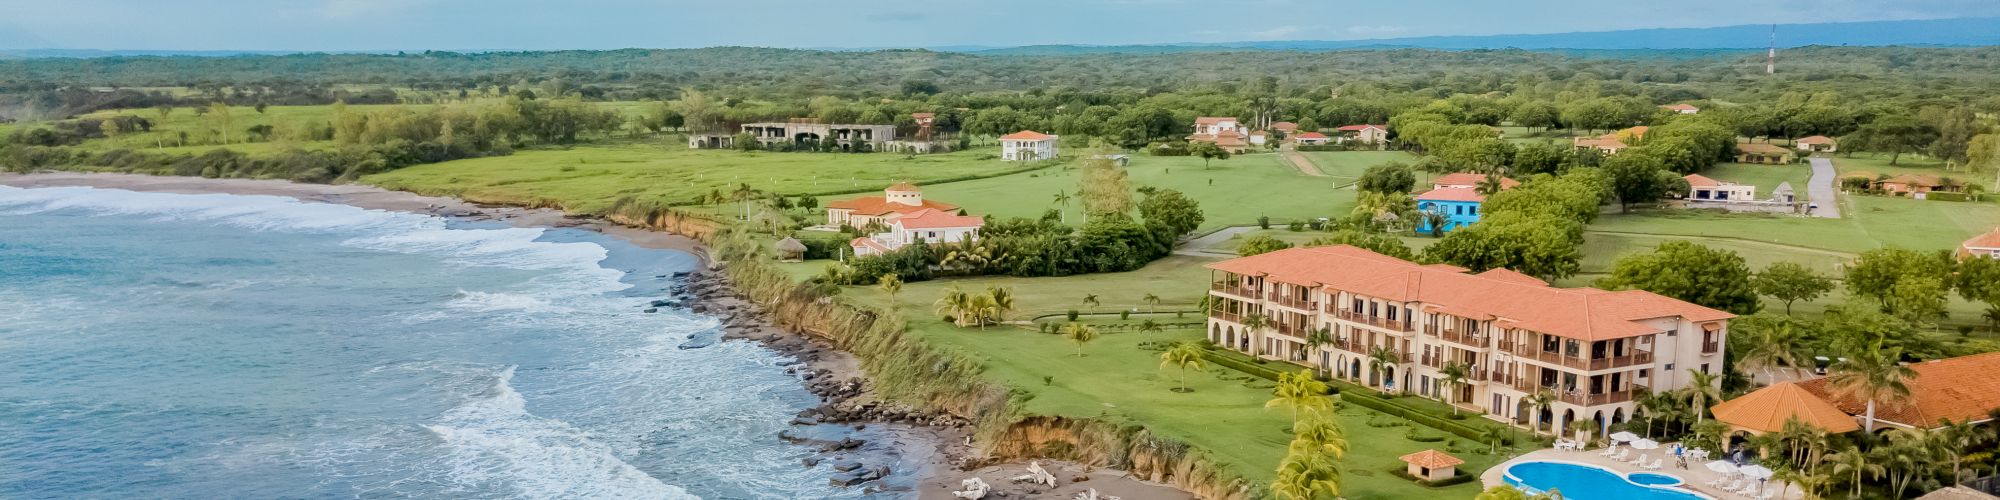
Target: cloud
1379,30
1275,33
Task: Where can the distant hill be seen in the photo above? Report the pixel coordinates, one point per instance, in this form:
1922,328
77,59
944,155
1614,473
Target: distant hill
1934,32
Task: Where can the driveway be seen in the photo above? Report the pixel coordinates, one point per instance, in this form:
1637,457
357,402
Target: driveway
1195,247
1821,189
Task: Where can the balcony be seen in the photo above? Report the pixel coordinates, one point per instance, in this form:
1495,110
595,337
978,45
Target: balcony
1247,293
1531,352
1580,399
1226,316
1387,324
1348,345
1293,302
1711,347
1461,338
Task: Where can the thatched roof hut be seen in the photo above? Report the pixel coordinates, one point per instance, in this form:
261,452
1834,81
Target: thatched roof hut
791,250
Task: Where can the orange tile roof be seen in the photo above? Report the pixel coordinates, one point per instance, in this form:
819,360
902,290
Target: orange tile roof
868,243
1469,179
877,205
1989,240
1211,120
1916,180
1767,409
1761,148
1698,180
1610,142
1815,139
1026,135
1312,135
1681,107
1501,273
1432,459
1579,313
1284,126
934,219
1451,194
1358,128
1959,389
1639,131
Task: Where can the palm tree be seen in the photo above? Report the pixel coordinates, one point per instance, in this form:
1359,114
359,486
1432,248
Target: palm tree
1872,375
1380,359
982,310
1317,338
890,284
1003,301
1772,346
1701,389
1255,322
1150,326
1489,185
1953,439
1493,436
1079,333
1299,391
1854,461
1152,303
1091,300
1435,219
955,303
1062,200
1537,402
1311,463
1184,355
1453,374
1905,457
743,194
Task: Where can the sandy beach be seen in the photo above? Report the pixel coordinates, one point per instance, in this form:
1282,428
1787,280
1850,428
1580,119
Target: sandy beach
935,456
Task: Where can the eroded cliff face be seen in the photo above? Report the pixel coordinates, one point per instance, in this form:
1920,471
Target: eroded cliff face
907,369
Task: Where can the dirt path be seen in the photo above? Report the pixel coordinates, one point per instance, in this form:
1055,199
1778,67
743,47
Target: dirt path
1300,162
1821,189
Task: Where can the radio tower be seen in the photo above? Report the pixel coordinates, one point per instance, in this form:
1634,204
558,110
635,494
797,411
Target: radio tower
1771,56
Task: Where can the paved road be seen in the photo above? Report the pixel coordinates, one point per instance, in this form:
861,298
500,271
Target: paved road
1821,189
1193,247
1300,162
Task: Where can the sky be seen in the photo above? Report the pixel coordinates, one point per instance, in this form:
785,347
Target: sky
387,25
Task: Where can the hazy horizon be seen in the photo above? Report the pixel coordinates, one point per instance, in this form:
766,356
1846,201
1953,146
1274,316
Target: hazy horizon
391,25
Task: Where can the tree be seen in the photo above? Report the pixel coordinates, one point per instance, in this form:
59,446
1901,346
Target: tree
1978,280
1537,245
891,284
221,113
1062,201
1855,462
1299,392
1872,375
1152,303
1539,401
1452,375
1490,185
1172,210
1702,388
1906,456
1260,244
1767,343
1384,244
1317,338
1091,300
1311,464
1003,301
1103,188
955,304
1080,334
1875,273
1380,358
1183,355
1391,177
1917,299
1636,178
1688,271
1895,135
1791,282
1207,151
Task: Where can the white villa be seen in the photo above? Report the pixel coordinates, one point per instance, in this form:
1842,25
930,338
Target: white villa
1702,188
1396,325
927,225
1027,145
1225,132
897,201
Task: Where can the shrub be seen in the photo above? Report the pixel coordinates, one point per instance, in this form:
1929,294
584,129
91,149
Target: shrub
1073,315
1943,196
1263,222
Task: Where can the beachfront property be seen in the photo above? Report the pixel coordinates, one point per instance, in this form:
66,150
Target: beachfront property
1396,325
1685,109
1362,134
1222,131
1702,188
1985,245
1961,389
896,201
1027,145
1816,144
927,225
1764,154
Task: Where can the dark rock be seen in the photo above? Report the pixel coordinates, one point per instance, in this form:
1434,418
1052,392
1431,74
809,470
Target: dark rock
851,443
651,310
810,461
846,466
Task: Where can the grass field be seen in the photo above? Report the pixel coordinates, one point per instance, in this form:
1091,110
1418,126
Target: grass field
1348,165
1119,378
1765,177
1415,242
588,178
1235,191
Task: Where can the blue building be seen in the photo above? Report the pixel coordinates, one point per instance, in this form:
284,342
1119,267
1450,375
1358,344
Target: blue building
1459,204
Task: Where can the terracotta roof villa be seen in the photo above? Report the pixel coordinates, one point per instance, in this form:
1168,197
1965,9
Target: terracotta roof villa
1766,410
1985,245
897,200
1516,335
1958,389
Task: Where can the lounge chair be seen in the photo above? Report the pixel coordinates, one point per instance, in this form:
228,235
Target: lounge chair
1609,450
1734,485
1621,455
1641,459
1767,495
1655,465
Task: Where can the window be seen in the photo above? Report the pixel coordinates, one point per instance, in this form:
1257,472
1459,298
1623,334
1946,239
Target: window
1645,373
1473,209
1670,367
1704,367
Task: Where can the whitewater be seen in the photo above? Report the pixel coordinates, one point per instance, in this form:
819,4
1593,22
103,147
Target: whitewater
221,346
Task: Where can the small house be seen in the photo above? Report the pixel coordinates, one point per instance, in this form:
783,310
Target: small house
1985,245
1432,465
1685,109
1027,145
1762,153
1469,180
1913,184
1459,205
1312,139
1364,134
1815,144
1702,188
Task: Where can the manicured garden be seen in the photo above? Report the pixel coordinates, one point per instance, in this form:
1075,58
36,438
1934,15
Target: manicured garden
1348,165
1236,191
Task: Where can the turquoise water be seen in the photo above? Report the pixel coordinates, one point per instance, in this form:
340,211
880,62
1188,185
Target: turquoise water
208,346
1651,479
1583,482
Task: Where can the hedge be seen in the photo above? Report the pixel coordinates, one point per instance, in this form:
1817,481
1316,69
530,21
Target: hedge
1944,196
1364,397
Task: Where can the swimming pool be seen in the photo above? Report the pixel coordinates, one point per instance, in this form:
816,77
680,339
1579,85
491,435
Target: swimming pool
1589,482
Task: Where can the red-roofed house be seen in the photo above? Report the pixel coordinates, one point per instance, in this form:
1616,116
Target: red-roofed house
1816,144
1027,145
1460,206
1312,139
933,226
1287,128
1685,109
896,201
1985,245
1224,132
1469,180
1365,134
1702,188
1961,389
1597,350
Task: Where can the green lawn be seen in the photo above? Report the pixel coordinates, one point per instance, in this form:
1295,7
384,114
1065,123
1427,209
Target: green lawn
1415,242
1235,191
1874,163
1765,177
203,130
1349,165
1868,222
588,178
1119,378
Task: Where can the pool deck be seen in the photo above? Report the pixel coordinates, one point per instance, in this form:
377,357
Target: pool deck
1696,475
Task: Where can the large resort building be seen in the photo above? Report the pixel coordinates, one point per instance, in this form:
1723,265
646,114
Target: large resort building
905,217
802,131
1396,325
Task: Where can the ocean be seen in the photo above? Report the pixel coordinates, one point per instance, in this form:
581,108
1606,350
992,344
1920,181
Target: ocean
217,346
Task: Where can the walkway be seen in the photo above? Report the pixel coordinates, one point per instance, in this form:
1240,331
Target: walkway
1822,190
1300,162
1197,247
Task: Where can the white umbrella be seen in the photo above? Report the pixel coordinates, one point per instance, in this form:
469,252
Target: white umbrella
1755,472
1722,467
1645,444
1623,436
